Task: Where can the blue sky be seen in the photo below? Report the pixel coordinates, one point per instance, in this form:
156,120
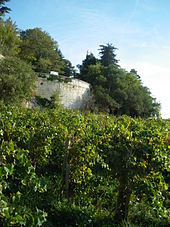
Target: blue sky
138,28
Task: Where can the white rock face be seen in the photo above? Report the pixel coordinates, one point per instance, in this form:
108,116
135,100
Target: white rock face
72,95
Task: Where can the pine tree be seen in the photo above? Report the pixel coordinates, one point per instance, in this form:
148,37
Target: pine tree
3,8
107,54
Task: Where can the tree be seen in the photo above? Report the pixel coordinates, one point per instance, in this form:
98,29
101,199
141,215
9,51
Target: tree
134,99
39,49
9,39
3,8
107,54
115,90
84,68
135,73
69,70
16,80
151,106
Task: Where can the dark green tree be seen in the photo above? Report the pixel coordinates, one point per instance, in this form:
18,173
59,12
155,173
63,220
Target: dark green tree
108,56
134,99
135,73
39,49
84,68
4,9
69,70
115,90
16,80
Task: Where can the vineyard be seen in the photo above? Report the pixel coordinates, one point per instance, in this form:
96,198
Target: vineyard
68,168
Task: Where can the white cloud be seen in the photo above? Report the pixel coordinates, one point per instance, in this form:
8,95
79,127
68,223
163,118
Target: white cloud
166,47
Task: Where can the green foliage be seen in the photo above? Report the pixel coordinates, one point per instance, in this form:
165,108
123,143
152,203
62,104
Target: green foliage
133,98
9,39
70,169
4,9
54,101
16,80
19,184
88,61
69,70
59,78
39,49
108,57
115,90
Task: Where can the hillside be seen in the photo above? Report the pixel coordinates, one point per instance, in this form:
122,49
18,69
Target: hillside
59,167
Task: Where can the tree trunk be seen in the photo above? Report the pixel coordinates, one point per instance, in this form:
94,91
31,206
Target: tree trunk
123,200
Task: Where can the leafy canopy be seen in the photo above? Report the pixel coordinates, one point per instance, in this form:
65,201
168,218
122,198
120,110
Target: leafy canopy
115,90
16,80
9,38
39,49
107,54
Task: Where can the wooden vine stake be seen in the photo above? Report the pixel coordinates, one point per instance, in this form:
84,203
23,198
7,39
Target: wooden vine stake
67,166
